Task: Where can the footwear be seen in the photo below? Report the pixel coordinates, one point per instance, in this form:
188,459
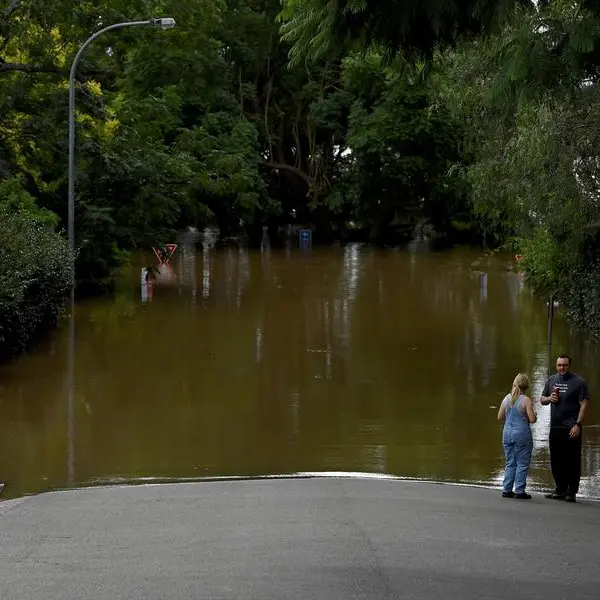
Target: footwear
570,498
523,496
556,496
508,494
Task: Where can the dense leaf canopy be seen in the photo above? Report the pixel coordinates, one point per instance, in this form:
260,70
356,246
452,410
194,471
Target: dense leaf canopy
414,27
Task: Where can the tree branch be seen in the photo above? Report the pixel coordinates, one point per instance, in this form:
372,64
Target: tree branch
27,68
289,168
11,9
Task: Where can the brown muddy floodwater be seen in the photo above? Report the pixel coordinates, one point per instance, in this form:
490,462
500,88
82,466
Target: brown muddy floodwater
285,361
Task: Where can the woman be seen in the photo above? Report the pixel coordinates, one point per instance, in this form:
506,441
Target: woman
517,410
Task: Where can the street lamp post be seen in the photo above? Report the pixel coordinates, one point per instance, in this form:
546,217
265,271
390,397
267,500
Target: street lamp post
163,23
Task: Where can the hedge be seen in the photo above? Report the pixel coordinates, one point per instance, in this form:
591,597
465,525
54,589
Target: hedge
35,279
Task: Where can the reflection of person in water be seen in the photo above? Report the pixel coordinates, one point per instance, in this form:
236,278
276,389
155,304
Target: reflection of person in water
517,411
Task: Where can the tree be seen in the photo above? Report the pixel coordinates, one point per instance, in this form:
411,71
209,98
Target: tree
401,146
413,27
527,100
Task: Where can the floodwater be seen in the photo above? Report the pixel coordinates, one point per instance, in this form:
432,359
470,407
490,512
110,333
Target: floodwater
242,362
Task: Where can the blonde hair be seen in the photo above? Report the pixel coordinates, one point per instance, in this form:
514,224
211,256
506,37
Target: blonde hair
520,386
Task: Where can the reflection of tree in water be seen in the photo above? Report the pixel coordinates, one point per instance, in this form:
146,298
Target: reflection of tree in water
346,292
187,262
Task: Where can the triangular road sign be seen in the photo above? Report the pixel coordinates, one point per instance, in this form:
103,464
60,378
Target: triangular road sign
164,253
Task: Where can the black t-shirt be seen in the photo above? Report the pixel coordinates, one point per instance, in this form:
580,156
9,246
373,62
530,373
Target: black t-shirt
572,389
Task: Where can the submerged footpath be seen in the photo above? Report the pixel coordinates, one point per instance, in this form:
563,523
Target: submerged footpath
299,538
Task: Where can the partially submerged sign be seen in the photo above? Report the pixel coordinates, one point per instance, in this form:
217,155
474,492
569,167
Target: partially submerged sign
164,253
305,237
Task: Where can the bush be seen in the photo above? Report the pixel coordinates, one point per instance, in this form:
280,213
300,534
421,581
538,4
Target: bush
582,297
35,276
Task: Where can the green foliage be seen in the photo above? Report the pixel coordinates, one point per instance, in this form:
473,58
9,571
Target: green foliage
14,199
225,173
544,262
527,101
581,297
401,147
413,27
34,280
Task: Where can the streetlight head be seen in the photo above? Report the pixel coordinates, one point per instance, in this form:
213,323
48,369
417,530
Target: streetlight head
164,23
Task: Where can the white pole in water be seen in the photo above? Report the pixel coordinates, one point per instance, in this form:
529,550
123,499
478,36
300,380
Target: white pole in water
550,320
144,285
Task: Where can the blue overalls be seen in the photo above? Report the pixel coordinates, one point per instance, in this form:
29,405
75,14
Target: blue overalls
518,445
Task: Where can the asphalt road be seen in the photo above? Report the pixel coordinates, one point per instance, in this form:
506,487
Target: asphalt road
304,539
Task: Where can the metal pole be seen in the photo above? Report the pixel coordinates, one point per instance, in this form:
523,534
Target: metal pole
164,23
71,188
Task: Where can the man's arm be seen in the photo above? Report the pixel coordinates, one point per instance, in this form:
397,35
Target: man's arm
582,408
545,397
576,429
585,396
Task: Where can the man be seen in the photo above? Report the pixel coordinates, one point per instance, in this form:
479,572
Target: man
567,393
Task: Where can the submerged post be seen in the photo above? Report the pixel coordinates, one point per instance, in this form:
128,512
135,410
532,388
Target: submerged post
550,321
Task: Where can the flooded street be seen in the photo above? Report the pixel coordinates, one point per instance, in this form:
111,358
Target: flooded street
282,361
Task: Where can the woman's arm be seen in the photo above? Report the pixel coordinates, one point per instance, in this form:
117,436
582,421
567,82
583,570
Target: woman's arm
529,410
502,411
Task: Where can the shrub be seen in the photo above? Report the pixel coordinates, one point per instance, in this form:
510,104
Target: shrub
35,271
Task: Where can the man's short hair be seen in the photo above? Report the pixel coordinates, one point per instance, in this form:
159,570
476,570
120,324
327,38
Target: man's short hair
565,356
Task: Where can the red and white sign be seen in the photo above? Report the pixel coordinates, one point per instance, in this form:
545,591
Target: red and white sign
164,253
